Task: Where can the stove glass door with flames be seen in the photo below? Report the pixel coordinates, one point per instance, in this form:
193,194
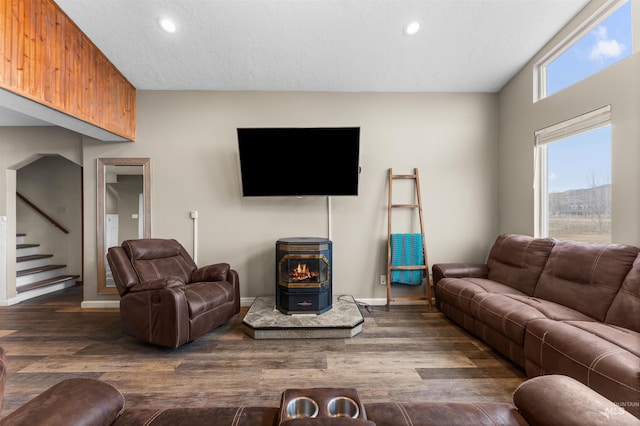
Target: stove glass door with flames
304,270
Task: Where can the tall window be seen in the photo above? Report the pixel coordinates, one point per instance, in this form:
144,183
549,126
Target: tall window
574,178
602,41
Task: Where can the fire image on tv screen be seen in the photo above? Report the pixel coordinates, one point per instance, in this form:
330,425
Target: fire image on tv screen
299,161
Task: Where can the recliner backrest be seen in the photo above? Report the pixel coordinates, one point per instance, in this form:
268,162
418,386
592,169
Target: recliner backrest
518,260
585,276
154,258
625,308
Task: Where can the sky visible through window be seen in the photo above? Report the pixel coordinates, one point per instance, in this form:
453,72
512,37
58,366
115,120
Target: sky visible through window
574,162
607,43
571,162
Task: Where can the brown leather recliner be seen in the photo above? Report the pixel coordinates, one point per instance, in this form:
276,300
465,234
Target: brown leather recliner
165,298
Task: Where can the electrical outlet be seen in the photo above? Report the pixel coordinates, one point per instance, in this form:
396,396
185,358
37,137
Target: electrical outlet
383,280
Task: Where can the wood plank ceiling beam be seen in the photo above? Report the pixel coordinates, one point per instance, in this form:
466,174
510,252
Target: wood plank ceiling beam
47,59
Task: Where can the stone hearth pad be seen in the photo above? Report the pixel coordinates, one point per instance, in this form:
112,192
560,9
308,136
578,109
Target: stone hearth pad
264,321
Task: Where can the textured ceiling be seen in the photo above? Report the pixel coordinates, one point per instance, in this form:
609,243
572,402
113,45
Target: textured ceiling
321,45
317,45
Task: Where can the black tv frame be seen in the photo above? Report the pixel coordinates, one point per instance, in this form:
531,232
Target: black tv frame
299,161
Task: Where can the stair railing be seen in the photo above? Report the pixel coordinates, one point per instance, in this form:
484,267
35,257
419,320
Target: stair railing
42,213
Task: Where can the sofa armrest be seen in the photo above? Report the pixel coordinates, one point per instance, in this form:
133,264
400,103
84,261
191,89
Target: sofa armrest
459,270
216,272
562,400
71,402
160,283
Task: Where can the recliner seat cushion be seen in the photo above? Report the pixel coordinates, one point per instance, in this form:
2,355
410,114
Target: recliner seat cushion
518,260
590,353
202,297
585,276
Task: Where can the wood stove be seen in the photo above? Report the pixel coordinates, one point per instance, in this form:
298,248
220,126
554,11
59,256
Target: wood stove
303,275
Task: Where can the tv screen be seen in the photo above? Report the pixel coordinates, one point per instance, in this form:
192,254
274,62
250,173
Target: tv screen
299,161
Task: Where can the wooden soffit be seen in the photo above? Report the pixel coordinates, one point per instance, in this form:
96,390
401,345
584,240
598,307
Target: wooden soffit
48,60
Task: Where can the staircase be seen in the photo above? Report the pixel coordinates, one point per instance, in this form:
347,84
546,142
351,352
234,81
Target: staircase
35,275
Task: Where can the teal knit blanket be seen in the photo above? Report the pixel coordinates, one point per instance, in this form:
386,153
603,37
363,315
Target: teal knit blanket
407,250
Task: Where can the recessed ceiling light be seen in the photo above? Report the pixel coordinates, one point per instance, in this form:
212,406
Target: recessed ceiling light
411,28
167,24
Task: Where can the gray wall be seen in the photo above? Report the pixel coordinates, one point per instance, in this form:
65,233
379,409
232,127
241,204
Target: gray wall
520,117
191,140
474,152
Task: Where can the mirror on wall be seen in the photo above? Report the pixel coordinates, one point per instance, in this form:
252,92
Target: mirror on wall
124,209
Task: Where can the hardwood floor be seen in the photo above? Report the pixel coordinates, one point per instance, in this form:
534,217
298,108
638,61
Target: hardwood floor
408,354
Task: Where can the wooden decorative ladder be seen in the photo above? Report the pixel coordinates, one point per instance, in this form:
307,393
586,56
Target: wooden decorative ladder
425,266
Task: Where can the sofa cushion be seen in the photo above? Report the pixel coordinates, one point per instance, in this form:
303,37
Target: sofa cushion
518,260
504,314
199,416
509,314
460,291
625,308
501,320
585,276
627,339
550,309
590,353
443,413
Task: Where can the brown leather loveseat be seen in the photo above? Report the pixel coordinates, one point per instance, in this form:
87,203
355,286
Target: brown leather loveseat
554,307
165,299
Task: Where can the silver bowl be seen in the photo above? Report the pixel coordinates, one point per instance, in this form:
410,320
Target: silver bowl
302,407
342,406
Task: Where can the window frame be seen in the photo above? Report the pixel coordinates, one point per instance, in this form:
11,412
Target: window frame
592,120
540,67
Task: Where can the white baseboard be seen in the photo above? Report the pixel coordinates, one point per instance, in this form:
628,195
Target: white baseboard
100,304
247,301
244,301
9,302
378,301
30,294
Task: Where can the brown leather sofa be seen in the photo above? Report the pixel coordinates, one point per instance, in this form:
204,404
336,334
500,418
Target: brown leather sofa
546,400
165,299
554,307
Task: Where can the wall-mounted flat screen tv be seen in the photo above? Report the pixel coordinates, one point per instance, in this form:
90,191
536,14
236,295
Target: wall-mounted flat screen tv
299,161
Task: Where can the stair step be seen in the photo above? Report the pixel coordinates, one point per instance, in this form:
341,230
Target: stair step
21,246
47,282
32,257
32,261
37,270
27,249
